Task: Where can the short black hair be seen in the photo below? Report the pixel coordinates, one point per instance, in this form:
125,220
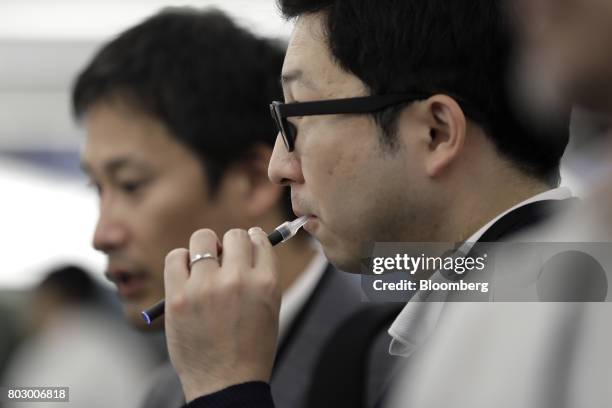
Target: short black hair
462,48
207,79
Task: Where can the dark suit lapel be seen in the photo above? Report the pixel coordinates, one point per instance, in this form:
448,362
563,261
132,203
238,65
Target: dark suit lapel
521,219
300,318
526,217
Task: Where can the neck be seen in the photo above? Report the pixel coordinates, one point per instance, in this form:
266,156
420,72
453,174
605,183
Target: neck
480,208
294,256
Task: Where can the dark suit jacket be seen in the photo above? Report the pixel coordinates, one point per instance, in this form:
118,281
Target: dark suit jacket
257,394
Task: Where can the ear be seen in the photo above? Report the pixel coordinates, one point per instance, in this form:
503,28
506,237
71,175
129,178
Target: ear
248,180
447,133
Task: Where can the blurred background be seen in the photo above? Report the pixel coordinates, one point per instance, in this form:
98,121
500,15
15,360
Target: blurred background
47,211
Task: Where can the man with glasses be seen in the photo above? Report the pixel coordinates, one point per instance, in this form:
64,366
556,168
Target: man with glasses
397,126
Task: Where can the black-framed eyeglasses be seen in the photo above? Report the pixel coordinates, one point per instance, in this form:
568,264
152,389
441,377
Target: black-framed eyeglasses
364,104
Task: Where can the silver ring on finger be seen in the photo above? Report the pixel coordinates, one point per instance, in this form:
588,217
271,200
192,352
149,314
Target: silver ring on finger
200,257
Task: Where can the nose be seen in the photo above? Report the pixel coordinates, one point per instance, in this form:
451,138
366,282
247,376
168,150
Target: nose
110,233
285,167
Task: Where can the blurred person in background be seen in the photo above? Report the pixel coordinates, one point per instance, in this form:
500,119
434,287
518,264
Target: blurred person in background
566,58
74,342
179,137
566,52
12,334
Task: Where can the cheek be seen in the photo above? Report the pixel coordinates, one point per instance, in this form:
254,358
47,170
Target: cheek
168,220
334,159
180,219
329,180
344,188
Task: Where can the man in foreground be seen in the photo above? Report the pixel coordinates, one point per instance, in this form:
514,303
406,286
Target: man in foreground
431,151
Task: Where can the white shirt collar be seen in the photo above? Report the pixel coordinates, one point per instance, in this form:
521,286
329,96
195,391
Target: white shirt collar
559,193
418,318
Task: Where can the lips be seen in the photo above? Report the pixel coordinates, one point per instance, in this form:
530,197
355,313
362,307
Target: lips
300,208
300,213
311,224
130,284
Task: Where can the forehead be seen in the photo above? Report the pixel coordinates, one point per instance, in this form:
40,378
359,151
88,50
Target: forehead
309,55
114,130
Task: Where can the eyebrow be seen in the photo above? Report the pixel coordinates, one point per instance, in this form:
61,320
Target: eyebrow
296,76
113,166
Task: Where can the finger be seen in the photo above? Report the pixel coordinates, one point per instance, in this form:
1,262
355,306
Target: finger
237,251
265,271
263,255
203,242
176,271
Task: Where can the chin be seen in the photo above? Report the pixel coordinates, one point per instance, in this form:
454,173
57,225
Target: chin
342,260
344,255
